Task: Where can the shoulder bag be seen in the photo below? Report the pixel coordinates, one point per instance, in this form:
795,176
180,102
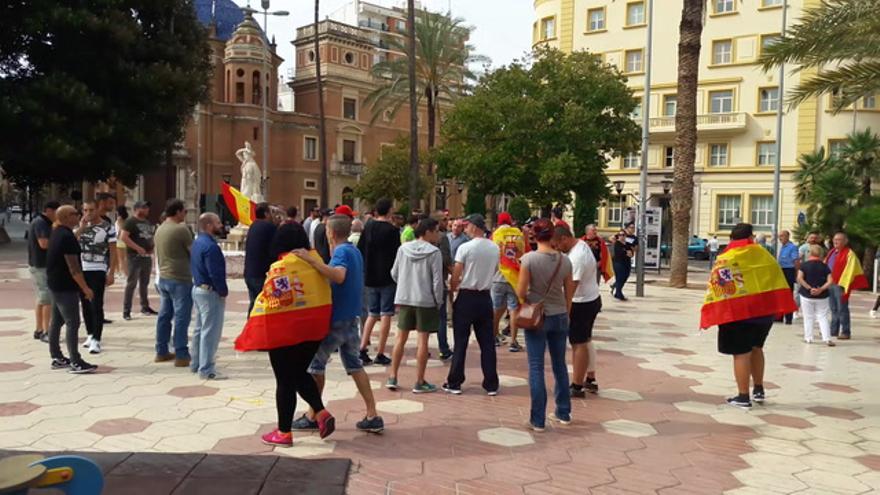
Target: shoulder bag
531,316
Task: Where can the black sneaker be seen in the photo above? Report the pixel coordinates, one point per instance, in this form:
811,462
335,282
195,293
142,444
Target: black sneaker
38,335
371,425
498,341
149,312
61,363
107,322
577,392
44,338
382,360
506,331
449,389
126,316
303,423
591,386
758,395
81,368
740,401
366,360
446,356
515,347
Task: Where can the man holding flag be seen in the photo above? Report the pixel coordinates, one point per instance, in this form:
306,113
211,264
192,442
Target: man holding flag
511,244
747,290
846,271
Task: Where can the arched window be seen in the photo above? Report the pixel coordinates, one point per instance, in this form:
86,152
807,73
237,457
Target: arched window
257,88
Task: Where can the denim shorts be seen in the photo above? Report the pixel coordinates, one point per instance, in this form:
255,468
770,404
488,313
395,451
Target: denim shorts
502,293
41,285
345,336
381,300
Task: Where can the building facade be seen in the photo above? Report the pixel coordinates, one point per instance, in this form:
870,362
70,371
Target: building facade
737,105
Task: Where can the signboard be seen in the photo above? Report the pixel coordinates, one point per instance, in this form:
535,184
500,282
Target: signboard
652,236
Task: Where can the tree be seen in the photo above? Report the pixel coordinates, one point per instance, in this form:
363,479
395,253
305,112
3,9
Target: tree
414,167
98,89
519,209
837,43
322,121
541,130
861,153
690,30
389,177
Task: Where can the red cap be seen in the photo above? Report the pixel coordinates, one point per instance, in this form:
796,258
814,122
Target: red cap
504,218
345,210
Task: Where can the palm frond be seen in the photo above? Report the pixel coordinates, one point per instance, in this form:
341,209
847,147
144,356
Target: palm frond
851,81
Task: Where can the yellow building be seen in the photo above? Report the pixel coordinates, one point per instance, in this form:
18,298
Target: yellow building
736,104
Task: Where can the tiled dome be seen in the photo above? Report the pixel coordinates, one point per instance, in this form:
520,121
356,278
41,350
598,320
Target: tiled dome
227,14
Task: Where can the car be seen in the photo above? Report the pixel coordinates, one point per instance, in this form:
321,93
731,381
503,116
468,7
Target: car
15,209
698,249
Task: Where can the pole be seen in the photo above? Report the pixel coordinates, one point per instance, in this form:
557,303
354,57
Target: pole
777,169
263,104
643,175
413,107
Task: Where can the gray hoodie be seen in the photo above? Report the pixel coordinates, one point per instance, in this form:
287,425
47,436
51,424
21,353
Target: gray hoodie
418,271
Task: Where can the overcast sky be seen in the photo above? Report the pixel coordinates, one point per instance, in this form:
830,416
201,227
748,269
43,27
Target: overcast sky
503,27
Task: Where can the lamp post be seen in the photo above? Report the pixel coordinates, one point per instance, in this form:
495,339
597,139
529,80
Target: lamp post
618,187
777,169
643,175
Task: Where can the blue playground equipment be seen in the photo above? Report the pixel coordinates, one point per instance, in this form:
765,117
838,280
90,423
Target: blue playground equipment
71,474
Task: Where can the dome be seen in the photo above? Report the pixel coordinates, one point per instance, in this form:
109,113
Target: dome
226,13
247,42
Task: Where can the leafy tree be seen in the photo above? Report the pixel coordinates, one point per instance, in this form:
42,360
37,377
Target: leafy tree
98,89
865,223
519,209
389,177
585,213
475,203
861,153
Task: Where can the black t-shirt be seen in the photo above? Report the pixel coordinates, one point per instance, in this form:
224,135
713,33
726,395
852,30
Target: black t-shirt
141,233
41,227
257,249
815,275
322,244
378,245
61,243
289,236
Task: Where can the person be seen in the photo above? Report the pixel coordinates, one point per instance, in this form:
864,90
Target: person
121,248
622,260
585,307
65,280
789,260
713,250
209,293
457,236
846,270
357,227
556,214
546,277
511,247
97,241
475,264
290,235
378,245
813,239
529,236
319,232
446,253
409,232
257,251
137,234
418,273
313,225
605,270
314,214
173,244
814,279
346,275
38,234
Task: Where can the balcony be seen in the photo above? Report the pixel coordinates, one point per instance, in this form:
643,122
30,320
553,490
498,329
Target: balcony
723,123
351,169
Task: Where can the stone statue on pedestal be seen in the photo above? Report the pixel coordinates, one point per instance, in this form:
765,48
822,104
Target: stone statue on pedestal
251,175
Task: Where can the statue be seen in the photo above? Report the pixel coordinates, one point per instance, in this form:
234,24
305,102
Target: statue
251,175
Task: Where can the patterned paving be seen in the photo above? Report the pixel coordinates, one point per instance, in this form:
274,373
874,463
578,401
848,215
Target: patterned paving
658,426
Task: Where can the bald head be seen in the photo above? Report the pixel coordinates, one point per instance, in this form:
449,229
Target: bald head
210,224
67,215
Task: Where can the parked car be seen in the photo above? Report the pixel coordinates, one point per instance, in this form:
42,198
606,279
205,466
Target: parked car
698,249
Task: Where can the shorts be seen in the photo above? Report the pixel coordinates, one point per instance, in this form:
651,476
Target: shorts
741,337
345,336
425,320
41,285
583,315
502,293
381,300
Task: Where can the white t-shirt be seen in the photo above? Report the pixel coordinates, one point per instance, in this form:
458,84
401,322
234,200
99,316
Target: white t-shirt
583,271
713,245
480,257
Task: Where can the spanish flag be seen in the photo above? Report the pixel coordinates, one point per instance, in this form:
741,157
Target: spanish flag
511,243
242,208
847,271
746,282
606,268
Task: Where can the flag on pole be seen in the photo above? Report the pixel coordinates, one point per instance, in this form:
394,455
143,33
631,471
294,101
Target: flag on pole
242,208
847,272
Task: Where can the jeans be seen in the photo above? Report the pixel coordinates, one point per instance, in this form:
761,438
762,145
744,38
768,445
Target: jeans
139,268
839,311
345,336
553,336
254,287
381,300
93,311
473,309
65,311
209,327
815,310
790,277
621,274
713,255
176,304
290,365
442,337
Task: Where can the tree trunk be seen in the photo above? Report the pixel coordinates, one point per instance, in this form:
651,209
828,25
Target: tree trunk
413,108
870,248
690,30
322,129
432,129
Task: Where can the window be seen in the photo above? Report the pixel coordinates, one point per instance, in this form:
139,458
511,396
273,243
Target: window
349,108
596,19
770,3
311,55
614,215
724,6
722,52
348,150
634,61
768,99
669,156
548,28
239,92
310,149
761,213
670,105
728,211
632,160
721,101
257,93
767,153
835,148
767,40
869,102
637,110
349,58
717,154
310,184
635,14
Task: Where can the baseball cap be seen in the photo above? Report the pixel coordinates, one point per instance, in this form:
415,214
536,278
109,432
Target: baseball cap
345,210
504,218
142,204
476,220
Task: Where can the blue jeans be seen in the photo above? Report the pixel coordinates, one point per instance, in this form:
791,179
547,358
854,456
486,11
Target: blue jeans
381,300
840,324
177,305
345,336
621,274
554,337
209,327
442,338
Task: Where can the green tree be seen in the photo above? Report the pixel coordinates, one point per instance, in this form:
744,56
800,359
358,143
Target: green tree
98,89
389,177
520,209
861,153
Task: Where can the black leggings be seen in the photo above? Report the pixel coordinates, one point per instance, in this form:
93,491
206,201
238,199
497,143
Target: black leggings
877,304
290,365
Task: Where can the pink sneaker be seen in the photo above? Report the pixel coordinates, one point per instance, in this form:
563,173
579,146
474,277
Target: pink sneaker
326,423
278,439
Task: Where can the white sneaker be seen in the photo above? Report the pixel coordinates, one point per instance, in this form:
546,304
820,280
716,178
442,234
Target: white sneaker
808,341
95,347
88,343
873,314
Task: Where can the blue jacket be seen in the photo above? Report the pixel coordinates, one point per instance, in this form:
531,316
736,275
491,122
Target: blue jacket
208,265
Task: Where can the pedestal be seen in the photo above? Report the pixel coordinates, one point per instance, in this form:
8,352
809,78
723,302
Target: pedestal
235,239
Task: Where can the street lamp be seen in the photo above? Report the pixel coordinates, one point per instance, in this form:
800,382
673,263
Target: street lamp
777,169
643,174
618,186
667,186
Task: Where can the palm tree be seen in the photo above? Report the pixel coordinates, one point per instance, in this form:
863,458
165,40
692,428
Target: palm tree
839,39
690,30
322,129
861,154
413,106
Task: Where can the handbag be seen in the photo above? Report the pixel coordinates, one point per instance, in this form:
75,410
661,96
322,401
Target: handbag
531,316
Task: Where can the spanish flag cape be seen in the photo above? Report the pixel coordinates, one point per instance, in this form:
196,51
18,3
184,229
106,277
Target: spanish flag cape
606,268
847,271
746,282
242,208
293,307
511,243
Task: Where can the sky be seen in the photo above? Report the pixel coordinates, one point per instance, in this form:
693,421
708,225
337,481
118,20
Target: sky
503,27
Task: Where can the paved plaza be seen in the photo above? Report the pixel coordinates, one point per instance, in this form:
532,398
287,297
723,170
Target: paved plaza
658,425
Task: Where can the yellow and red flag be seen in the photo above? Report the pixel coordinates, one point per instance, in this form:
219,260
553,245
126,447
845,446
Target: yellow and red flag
606,268
293,307
847,271
746,282
243,209
511,243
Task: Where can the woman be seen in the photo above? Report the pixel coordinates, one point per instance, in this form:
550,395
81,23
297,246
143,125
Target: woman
622,262
545,277
121,249
813,279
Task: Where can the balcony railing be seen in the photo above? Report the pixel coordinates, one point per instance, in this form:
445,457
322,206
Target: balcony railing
328,26
353,169
735,121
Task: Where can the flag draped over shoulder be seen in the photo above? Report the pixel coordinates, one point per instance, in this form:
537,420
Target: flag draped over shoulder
746,282
242,208
512,245
293,307
847,272
606,268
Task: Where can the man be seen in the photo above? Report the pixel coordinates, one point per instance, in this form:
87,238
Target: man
257,251
446,254
317,219
357,228
209,296
307,223
813,239
346,275
585,307
66,281
475,264
173,243
846,272
289,236
378,245
321,243
556,214
137,234
790,261
457,237
713,250
409,232
97,241
511,247
38,235
604,266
